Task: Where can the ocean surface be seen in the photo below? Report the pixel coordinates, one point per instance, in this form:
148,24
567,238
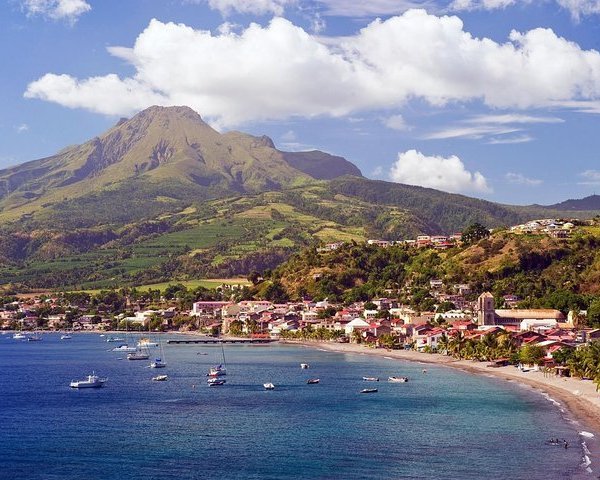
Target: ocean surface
443,424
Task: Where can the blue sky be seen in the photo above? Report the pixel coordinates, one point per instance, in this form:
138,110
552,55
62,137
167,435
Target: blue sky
496,99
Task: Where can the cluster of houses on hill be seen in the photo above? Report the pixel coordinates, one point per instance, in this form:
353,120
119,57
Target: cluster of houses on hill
553,227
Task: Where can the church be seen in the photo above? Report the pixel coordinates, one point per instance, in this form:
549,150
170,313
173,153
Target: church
488,315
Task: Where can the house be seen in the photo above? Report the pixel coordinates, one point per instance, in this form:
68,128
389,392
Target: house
203,308
356,324
428,337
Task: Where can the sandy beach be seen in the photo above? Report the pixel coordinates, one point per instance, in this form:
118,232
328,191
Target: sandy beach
578,399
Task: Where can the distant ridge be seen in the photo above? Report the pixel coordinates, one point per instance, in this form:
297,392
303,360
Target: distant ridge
588,203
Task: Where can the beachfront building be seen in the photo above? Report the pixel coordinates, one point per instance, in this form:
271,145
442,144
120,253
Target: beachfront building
487,314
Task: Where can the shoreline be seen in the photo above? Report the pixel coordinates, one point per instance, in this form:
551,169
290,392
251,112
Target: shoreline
578,400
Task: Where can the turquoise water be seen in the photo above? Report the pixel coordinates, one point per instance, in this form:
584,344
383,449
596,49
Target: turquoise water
441,425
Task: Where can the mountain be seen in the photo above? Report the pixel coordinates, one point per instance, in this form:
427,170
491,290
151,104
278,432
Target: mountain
162,155
588,203
164,196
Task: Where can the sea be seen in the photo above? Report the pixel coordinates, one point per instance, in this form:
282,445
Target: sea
441,424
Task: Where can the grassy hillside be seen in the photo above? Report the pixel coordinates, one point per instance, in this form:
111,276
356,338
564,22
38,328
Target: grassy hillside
540,270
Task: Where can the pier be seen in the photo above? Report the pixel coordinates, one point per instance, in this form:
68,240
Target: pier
214,341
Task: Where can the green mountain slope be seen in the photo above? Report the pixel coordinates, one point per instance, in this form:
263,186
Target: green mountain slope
163,195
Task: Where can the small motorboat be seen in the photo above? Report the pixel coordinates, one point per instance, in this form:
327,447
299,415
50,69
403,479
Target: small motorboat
269,386
19,336
114,339
92,381
160,378
66,336
368,390
371,379
312,381
124,348
146,342
398,379
304,366
216,382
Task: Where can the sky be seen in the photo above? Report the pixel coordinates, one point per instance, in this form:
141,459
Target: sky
494,99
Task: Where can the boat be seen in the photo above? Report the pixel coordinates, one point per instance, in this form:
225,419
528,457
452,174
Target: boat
269,386
66,336
35,337
218,370
146,343
19,336
216,382
312,381
368,390
398,379
304,366
92,381
124,348
139,355
371,379
158,363
160,378
112,339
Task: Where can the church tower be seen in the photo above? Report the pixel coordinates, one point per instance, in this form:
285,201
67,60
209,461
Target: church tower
486,314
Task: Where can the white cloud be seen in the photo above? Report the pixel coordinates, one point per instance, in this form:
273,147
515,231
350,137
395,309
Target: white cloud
591,177
481,126
256,7
396,122
289,136
22,128
577,8
521,179
474,132
372,8
377,171
69,10
511,139
448,174
280,71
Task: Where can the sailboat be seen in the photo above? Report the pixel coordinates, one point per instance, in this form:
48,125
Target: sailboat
159,361
219,370
123,347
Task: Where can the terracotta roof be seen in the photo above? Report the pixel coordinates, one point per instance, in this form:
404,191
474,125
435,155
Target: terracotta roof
527,314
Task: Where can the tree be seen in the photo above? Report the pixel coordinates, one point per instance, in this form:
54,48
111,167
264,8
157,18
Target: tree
473,233
531,354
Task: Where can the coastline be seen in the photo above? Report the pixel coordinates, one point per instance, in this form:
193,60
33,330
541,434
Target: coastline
577,399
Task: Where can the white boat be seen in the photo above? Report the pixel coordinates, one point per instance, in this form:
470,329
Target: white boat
19,336
146,343
215,382
124,348
160,378
312,381
368,390
66,336
269,386
112,339
92,381
218,370
35,337
139,355
158,363
398,379
371,379
304,366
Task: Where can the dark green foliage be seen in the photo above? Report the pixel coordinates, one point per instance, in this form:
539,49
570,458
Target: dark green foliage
473,233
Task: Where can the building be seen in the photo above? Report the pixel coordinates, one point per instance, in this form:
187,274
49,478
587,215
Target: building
488,315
